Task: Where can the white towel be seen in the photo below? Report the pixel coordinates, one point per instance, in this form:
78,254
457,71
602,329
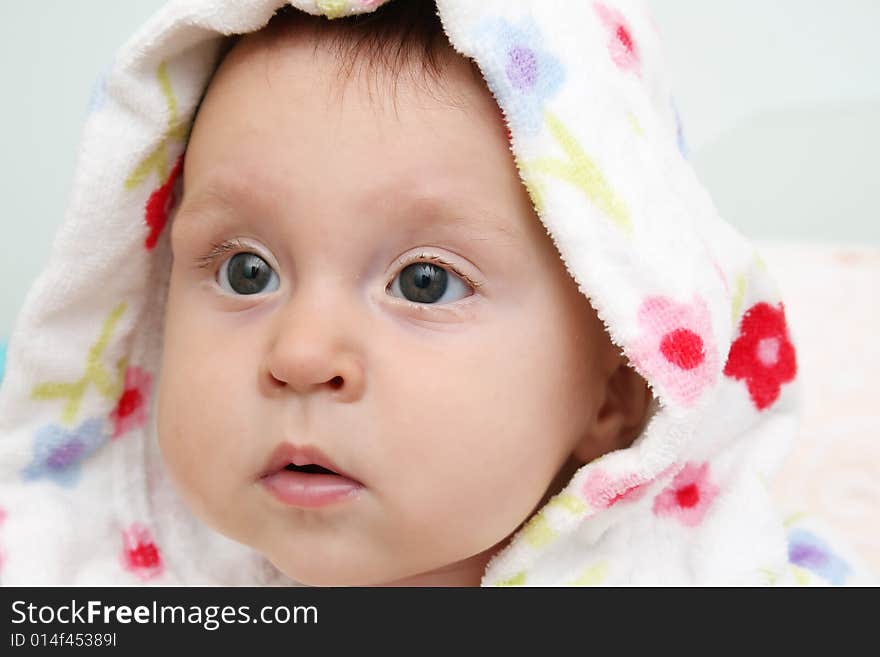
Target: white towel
84,496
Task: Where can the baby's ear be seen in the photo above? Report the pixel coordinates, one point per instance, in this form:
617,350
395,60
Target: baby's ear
622,414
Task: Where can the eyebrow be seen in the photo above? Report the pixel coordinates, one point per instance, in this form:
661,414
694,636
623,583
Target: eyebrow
205,201
205,209
479,223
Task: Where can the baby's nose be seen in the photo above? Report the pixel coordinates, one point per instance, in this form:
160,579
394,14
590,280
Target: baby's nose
313,350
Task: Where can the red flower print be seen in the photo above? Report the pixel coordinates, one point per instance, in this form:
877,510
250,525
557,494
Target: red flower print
621,46
160,204
762,354
689,496
131,409
139,553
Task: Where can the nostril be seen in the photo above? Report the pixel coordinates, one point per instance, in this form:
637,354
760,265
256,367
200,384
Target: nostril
336,382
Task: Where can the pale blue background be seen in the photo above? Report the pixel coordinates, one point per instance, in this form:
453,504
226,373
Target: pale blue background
780,102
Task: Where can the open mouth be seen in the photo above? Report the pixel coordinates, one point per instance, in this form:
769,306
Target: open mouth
309,485
311,468
303,463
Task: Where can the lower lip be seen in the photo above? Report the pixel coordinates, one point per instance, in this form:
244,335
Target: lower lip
309,491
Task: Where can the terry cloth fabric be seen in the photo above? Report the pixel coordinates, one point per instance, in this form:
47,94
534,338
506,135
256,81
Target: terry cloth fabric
84,496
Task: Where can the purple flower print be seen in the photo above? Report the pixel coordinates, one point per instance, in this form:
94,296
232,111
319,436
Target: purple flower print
807,550
522,67
58,452
520,72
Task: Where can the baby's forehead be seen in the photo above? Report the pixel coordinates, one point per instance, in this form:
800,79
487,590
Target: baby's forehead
430,161
397,52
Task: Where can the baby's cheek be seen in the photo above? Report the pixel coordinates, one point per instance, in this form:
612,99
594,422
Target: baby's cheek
471,465
471,505
197,480
176,456
180,438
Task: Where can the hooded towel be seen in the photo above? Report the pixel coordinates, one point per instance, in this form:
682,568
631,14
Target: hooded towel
84,497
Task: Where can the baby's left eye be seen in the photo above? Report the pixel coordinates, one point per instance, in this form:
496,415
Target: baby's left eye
425,282
247,273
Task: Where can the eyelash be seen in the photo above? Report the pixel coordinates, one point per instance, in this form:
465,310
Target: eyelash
217,250
422,257
220,248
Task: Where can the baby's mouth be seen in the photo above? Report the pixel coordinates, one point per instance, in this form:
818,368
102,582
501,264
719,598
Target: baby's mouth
309,485
303,476
311,468
304,460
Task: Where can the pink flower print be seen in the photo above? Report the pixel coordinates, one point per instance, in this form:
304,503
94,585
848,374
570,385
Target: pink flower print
689,496
139,553
602,491
676,348
762,354
131,409
621,45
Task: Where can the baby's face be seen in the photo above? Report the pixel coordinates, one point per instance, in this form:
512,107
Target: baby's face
390,299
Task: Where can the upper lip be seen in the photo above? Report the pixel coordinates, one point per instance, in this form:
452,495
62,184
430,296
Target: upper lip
287,453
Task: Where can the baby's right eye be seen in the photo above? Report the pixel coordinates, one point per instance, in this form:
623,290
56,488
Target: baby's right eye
247,273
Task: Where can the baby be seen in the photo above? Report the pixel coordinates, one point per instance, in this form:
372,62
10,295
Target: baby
369,334
397,293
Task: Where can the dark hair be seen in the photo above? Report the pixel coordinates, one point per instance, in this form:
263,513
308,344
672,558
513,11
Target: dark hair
400,35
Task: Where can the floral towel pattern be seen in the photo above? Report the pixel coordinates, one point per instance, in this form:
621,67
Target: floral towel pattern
599,146
59,453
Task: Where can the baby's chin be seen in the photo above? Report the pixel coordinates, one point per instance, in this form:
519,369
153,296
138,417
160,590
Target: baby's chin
350,562
314,573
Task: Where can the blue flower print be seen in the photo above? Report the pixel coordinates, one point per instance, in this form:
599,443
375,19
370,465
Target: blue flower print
98,95
807,550
519,71
58,452
99,89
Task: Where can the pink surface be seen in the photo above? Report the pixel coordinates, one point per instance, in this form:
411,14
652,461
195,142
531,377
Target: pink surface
832,299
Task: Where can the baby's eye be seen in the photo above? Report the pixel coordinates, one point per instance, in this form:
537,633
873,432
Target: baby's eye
425,282
247,273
